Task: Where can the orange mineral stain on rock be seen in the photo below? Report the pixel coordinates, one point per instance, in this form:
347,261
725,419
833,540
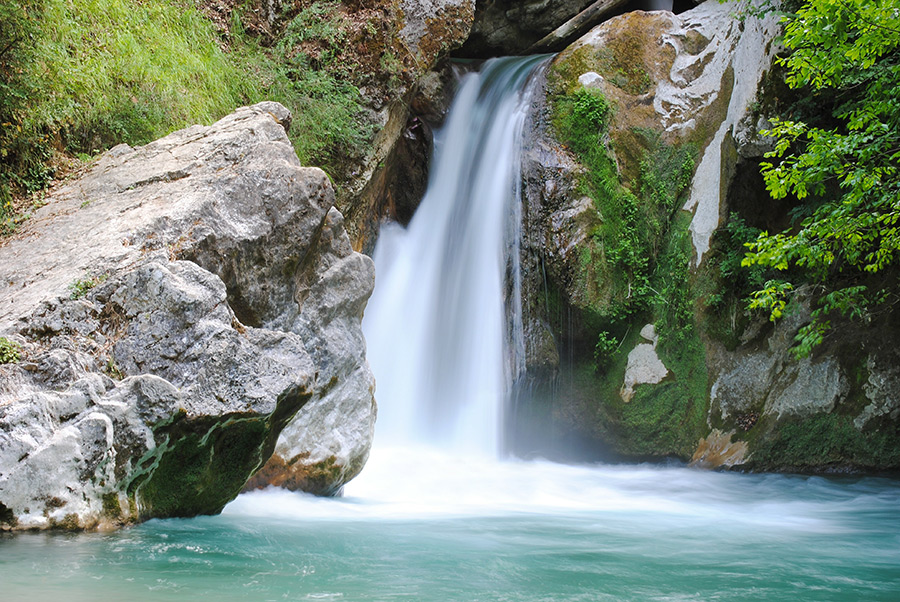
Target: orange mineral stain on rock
718,450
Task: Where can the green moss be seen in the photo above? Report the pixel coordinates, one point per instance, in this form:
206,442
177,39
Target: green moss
620,62
661,420
200,464
827,440
564,74
669,418
69,522
322,476
111,507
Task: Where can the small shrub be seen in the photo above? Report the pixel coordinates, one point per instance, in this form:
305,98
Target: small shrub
81,286
605,349
10,352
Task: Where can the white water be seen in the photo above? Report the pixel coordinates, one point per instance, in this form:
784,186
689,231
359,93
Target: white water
436,324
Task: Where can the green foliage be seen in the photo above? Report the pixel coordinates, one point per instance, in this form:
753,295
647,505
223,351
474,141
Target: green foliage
636,265
772,297
724,286
309,73
674,301
80,286
606,346
10,351
82,75
581,118
733,239
617,262
666,173
846,171
22,151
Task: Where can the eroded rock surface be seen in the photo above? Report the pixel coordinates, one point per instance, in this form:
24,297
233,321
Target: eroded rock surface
692,80
177,307
506,27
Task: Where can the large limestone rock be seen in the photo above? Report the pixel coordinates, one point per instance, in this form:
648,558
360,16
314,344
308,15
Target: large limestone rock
836,410
692,76
689,77
177,307
674,81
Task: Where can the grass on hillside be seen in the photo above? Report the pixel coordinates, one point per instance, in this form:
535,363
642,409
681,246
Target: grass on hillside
79,76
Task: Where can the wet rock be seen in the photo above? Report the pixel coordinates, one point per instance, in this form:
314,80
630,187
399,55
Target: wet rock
408,70
814,387
882,389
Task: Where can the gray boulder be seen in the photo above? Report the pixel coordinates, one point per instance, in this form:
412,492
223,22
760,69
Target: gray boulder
177,307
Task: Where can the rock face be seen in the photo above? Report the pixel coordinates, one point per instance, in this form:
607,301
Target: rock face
505,27
680,76
179,307
718,390
677,86
412,58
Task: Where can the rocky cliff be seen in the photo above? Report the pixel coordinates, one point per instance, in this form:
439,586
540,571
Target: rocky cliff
646,141
181,311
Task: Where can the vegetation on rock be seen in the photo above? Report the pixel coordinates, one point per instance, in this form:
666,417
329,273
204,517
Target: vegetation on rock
10,352
634,266
843,168
618,265
79,76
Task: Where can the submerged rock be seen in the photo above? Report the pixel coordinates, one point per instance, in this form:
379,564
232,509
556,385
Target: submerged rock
177,307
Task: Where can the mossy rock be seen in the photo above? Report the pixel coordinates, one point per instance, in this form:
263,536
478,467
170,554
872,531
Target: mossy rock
201,464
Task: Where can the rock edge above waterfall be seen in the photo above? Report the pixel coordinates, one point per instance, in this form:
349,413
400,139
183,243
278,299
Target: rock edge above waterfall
183,310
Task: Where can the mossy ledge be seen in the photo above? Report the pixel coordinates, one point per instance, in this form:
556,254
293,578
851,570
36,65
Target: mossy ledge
199,465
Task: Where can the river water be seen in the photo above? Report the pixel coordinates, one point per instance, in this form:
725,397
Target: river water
437,516
468,531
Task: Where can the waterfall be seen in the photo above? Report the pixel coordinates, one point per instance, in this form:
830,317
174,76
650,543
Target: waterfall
436,324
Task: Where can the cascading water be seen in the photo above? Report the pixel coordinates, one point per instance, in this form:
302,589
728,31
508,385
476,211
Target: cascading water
450,523
436,324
